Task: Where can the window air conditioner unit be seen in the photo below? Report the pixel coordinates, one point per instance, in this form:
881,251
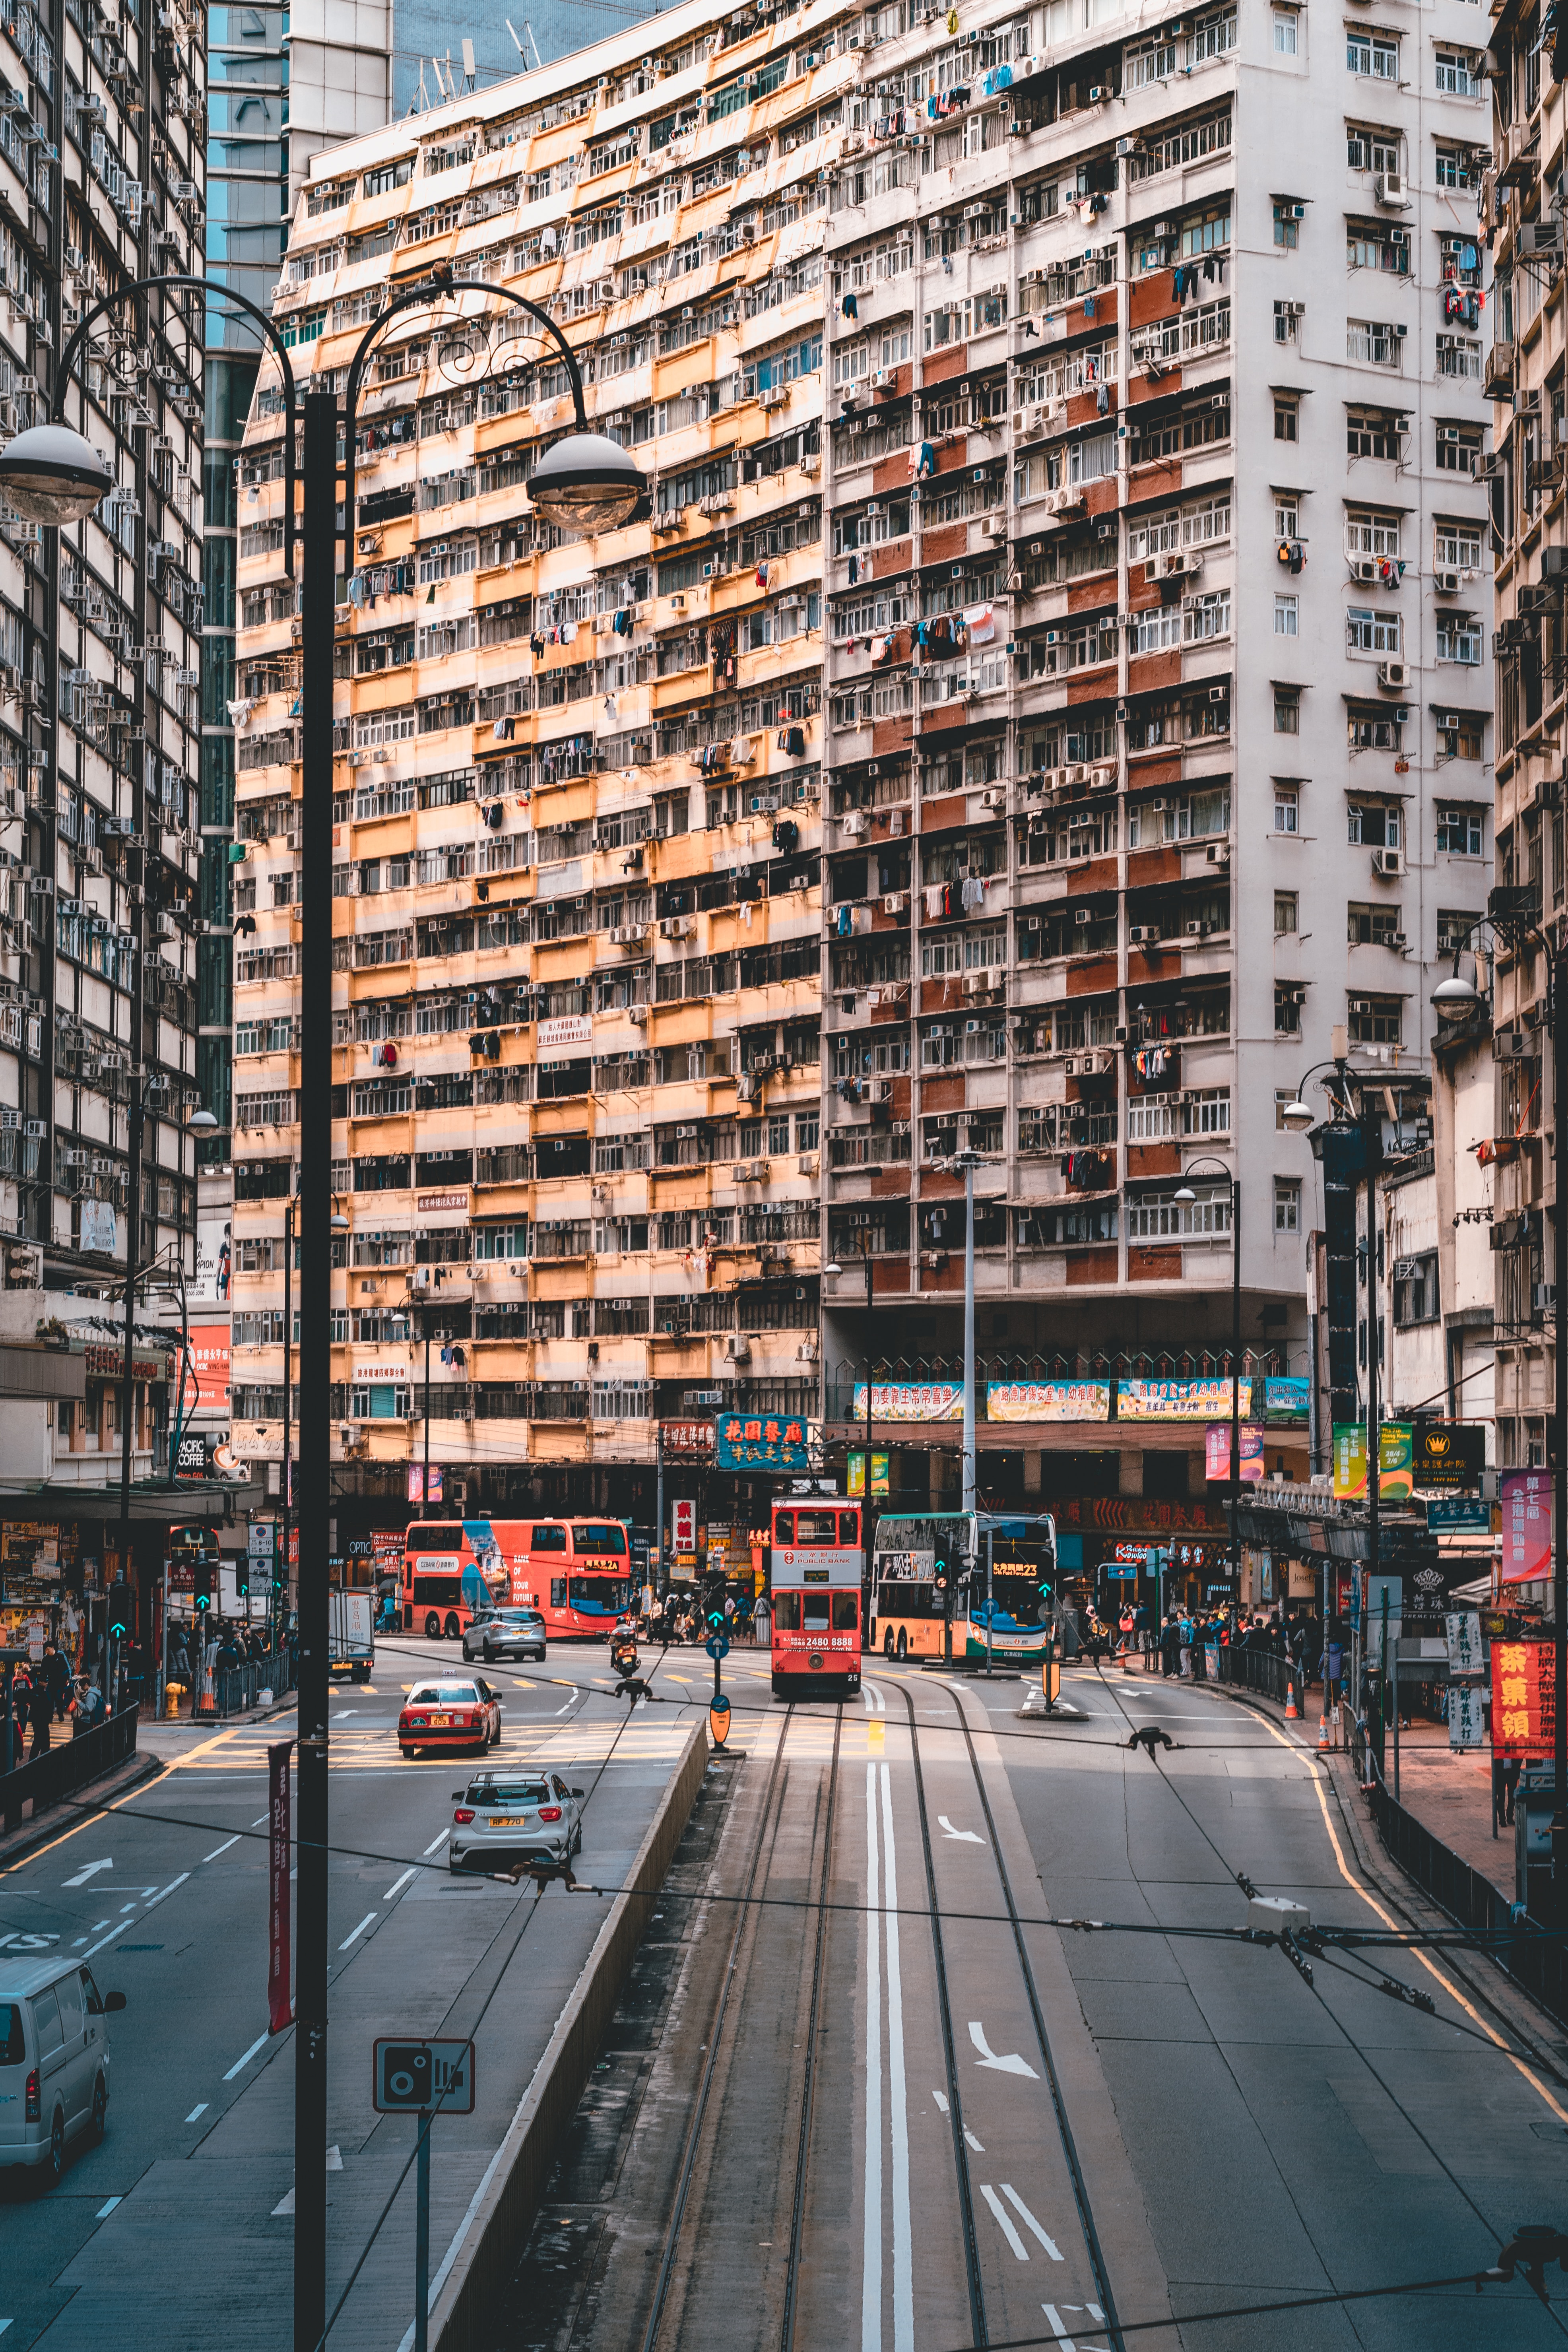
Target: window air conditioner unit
1388,863
1390,188
1447,583
1394,676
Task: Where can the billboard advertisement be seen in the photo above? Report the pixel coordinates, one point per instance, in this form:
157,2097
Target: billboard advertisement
1047,1401
210,1355
1178,1399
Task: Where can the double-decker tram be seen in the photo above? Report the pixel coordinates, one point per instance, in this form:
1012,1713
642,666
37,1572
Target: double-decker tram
818,1557
992,1577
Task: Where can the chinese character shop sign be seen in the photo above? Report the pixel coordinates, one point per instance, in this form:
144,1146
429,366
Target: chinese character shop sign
760,1442
1524,1715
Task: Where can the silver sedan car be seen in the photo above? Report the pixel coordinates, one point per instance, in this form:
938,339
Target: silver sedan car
502,1819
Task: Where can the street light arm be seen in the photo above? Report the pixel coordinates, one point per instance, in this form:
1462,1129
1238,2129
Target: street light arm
204,287
423,297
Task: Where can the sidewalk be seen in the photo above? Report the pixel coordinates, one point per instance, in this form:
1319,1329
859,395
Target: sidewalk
1448,1791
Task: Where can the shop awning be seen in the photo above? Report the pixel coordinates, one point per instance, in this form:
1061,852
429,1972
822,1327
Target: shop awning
205,1499
27,1369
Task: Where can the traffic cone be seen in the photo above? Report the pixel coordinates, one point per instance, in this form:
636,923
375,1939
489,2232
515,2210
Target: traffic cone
1292,1711
1324,1740
206,1702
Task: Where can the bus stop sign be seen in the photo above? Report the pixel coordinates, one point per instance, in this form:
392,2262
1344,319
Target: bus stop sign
415,2077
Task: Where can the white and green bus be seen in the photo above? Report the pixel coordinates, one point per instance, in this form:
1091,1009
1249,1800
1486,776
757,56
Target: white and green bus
999,1568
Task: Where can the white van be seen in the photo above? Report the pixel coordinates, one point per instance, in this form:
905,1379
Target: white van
54,2058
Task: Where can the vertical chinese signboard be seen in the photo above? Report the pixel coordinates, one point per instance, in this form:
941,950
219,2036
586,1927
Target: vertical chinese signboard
1524,1712
1526,1526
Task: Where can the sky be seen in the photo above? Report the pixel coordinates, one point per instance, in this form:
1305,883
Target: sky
427,29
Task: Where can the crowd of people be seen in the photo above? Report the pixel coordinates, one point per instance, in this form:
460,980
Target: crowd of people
1176,1643
44,1694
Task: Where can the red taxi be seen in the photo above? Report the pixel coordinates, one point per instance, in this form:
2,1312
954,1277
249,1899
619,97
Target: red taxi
458,1711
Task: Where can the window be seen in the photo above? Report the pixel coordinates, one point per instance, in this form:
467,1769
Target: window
1370,148
1287,220
1455,167
1457,546
1285,615
1287,711
1287,323
1459,637
1376,1020
1455,925
1464,739
1416,1289
1283,1097
1288,1010
1374,342
1458,448
1286,412
1287,1204
1286,808
1287,42
1373,54
1456,70
1287,514
1370,531
1285,912
1460,832
1373,925
1371,629
1373,432
1377,244
1372,824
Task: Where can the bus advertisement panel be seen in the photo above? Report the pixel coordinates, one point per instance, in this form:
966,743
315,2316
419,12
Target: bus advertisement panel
917,1562
576,1572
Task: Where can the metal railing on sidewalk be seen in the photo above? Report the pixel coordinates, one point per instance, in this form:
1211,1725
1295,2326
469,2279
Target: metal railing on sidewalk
237,1688
1260,1670
63,1770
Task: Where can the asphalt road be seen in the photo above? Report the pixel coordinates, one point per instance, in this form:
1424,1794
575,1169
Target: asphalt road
183,2213
1175,2125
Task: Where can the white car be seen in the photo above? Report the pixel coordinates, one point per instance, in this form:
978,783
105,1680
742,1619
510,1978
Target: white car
54,2059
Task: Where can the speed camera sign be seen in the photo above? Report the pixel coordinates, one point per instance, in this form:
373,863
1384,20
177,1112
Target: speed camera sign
416,2077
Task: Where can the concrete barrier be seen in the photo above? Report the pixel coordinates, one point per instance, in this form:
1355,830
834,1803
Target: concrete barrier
483,2258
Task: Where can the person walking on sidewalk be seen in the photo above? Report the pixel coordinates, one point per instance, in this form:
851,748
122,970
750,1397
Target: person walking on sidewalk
40,1711
1169,1639
1184,1638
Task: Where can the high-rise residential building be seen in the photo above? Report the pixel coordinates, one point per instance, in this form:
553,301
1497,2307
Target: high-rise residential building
1522,219
100,183
1047,372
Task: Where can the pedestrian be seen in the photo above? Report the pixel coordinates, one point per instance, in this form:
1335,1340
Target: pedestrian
57,1679
1168,1641
1184,1643
40,1711
1333,1660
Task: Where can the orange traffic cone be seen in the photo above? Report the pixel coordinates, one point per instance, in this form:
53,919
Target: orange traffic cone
1324,1740
207,1701
1291,1710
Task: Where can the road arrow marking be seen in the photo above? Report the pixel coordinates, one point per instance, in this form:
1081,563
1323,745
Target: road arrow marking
1012,2065
964,1837
90,1872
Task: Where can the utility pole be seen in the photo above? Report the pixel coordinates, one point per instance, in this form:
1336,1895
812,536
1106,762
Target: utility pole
966,1161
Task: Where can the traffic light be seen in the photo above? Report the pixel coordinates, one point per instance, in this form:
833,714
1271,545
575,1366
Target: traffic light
204,1573
242,1575
715,1618
118,1611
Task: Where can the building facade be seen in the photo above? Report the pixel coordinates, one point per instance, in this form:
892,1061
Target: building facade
1045,711
1525,375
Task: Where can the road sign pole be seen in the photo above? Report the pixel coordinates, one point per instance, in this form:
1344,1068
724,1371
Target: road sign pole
422,2237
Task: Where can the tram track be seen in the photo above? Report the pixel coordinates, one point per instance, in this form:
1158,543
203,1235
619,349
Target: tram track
1093,2247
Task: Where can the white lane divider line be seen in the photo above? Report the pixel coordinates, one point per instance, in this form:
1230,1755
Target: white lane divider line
106,1939
240,2064
964,1837
106,2209
1027,2219
195,2110
940,2098
1010,2065
399,1884
1004,2224
260,1821
903,2229
973,2143
436,1844
369,1920
335,2158
223,1848
871,2272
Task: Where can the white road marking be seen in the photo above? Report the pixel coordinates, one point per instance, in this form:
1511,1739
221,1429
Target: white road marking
367,1921
240,2064
106,1939
105,2209
221,1849
903,2234
399,1884
940,2098
871,2273
1016,2202
560,1710
260,1821
973,2143
436,1843
964,1837
1004,2224
196,2111
1012,2065
91,1870
335,2158
285,2205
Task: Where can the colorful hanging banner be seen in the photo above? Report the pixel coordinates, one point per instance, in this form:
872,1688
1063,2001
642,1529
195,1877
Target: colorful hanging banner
1047,1401
1524,1711
1178,1399
1217,1451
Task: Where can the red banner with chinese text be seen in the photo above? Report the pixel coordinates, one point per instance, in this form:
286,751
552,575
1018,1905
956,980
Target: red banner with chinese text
1524,1711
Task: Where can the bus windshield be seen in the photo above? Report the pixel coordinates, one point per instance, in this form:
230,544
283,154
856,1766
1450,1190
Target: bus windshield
608,1595
600,1539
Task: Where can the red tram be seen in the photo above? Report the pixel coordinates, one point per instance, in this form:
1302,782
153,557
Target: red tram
818,1560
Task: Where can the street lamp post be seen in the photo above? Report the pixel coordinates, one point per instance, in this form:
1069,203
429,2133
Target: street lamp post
1185,1196
968,1161
1455,998
584,482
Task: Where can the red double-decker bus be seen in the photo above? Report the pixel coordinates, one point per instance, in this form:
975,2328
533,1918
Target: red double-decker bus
576,1573
818,1560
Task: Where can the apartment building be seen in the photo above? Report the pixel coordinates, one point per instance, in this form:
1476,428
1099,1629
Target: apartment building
101,181
577,876
1522,218
1157,713
1001,383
